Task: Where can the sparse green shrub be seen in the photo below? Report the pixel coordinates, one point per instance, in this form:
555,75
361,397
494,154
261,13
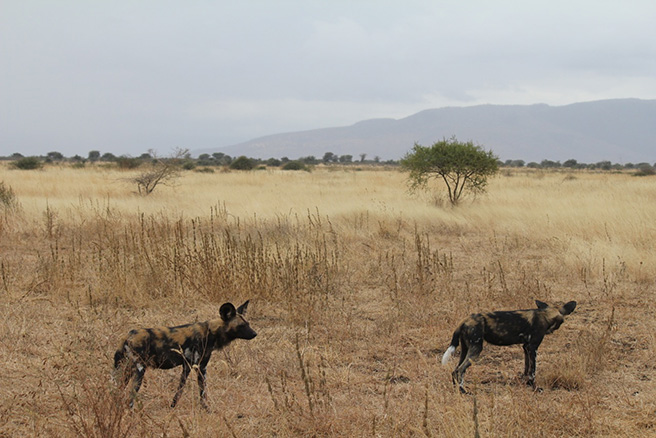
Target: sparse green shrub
27,163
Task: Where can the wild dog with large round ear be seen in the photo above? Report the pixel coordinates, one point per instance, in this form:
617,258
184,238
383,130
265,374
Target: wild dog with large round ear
189,345
526,327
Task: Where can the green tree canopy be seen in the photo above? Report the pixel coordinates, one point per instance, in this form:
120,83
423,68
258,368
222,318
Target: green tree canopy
463,166
55,156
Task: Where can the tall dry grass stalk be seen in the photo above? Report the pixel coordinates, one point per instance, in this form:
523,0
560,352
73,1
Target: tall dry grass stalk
356,287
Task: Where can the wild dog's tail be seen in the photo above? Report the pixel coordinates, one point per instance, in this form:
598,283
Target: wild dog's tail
455,340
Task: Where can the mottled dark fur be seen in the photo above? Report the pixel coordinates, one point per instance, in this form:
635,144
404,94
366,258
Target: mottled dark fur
189,345
526,327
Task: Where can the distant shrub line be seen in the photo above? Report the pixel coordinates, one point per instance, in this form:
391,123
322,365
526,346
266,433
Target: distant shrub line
219,159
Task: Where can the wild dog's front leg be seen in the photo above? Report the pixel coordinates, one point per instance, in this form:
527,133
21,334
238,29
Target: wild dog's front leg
202,372
527,360
530,355
139,371
122,373
183,380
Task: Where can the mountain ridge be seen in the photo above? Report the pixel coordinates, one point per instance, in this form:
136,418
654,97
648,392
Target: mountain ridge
618,130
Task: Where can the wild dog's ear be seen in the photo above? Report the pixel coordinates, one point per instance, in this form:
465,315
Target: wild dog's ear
227,312
568,308
541,305
242,309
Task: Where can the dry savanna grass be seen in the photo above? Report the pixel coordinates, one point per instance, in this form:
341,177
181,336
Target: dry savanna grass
356,287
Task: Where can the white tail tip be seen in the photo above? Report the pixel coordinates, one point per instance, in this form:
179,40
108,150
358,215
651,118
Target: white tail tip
447,354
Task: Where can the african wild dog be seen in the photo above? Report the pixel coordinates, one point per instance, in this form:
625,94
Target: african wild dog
189,345
527,327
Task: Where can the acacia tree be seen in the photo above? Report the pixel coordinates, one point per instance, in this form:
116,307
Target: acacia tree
164,171
464,167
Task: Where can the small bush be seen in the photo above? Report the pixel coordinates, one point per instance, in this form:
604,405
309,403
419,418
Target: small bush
242,163
294,165
128,162
645,170
27,163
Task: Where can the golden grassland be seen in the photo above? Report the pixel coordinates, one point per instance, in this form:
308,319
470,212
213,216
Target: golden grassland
356,287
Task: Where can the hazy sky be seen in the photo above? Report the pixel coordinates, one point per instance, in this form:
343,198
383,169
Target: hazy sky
127,76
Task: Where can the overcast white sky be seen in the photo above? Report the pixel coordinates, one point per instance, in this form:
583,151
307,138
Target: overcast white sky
125,76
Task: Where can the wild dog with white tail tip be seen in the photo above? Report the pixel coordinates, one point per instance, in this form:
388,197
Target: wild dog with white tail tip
526,327
189,345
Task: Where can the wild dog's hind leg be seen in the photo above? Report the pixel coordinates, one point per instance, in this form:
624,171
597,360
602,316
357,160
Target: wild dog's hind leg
183,379
470,351
455,376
